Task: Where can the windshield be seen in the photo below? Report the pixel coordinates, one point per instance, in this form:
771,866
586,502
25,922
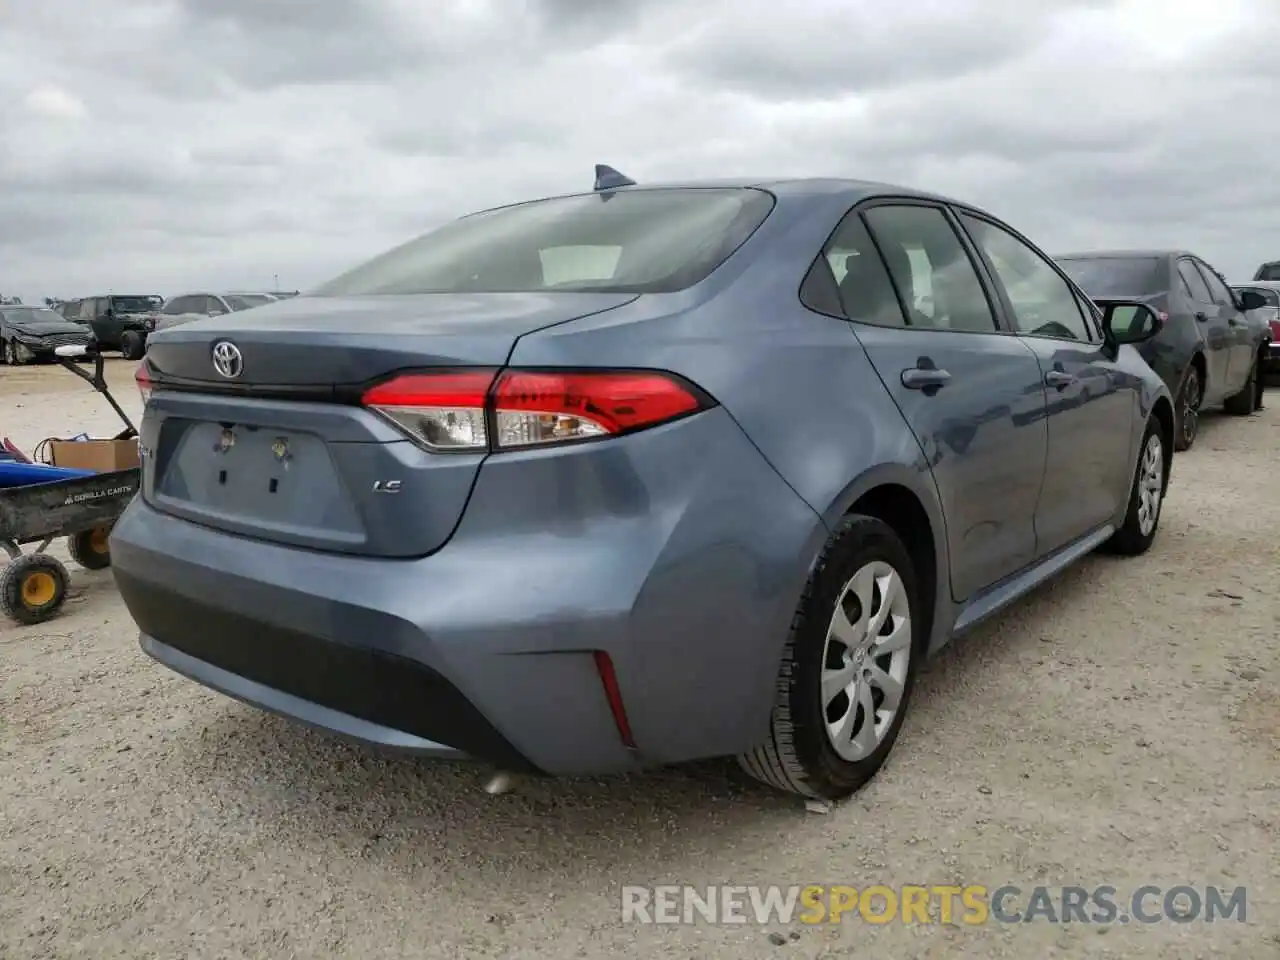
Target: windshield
135,304
246,301
647,241
1116,276
32,315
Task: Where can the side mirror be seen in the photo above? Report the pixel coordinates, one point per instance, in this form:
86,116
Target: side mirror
1129,321
1251,300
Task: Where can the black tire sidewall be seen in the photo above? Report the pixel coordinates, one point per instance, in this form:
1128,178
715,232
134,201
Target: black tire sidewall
11,580
859,541
1132,529
1179,442
80,546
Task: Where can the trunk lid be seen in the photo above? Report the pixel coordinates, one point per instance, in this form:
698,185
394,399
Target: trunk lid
280,453
317,342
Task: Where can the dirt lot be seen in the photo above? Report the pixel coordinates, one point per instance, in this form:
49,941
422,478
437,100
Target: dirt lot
1121,727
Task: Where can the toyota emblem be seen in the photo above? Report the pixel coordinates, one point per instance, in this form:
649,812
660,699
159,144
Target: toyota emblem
227,359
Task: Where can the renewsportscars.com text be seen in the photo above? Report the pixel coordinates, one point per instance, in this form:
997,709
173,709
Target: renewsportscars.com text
917,904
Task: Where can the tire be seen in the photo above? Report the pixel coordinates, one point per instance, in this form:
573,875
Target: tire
12,357
132,345
1246,401
89,548
800,755
1146,497
1187,425
1260,380
33,588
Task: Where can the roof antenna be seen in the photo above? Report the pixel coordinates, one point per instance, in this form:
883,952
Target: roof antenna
608,178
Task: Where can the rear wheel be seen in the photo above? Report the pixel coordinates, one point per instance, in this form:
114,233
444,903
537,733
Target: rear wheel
90,548
848,667
33,588
1189,398
132,345
1146,497
1246,401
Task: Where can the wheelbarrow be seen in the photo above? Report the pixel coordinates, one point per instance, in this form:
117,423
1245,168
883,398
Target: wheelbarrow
40,503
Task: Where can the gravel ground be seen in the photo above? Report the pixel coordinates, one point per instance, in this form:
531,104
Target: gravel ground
1120,727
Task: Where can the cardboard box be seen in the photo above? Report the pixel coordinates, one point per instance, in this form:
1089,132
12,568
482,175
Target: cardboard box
100,456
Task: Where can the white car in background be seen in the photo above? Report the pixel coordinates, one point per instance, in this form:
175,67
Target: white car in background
194,306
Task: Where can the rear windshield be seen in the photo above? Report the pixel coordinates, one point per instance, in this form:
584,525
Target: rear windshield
246,301
1268,272
643,241
1117,276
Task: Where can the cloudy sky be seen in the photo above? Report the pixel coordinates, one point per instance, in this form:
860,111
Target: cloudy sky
154,145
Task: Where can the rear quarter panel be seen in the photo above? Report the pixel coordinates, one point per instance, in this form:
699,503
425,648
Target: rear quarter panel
798,384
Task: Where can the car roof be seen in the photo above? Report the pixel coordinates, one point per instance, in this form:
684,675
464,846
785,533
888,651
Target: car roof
1122,254
782,187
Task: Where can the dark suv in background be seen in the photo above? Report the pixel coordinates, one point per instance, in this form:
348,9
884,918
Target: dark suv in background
119,321
1209,349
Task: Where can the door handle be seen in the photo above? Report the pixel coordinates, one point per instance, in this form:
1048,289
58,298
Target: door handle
1202,316
1059,378
922,378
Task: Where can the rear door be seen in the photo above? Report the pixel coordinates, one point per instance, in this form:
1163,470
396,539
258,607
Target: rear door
1239,333
970,393
1213,327
1090,403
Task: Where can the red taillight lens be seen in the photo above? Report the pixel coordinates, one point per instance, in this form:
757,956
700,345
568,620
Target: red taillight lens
451,410
143,378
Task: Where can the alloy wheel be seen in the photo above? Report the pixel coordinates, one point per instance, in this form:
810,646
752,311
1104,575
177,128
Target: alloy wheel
865,660
1189,415
1150,485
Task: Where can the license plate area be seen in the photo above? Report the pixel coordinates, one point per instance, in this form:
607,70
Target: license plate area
258,480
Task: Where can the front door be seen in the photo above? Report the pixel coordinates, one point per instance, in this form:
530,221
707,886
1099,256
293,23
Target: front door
1239,336
971,394
1090,407
1213,326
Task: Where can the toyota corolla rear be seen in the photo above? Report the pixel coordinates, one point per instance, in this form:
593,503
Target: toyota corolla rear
356,512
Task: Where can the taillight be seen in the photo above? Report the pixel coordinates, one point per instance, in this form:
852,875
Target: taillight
475,410
143,379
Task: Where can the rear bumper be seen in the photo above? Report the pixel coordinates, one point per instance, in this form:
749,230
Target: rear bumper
678,551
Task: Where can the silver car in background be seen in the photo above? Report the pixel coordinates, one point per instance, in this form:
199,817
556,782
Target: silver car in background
194,306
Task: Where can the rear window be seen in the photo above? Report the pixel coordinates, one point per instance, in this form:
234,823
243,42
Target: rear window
1117,276
1268,272
643,241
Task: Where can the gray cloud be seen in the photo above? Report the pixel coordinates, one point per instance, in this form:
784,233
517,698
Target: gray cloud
164,144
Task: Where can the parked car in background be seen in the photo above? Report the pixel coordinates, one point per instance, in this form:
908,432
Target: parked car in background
193,306
1208,351
638,476
1269,290
1269,271
119,321
29,334
283,294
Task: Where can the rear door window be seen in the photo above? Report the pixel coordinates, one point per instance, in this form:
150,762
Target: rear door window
866,293
1193,283
1217,288
936,281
